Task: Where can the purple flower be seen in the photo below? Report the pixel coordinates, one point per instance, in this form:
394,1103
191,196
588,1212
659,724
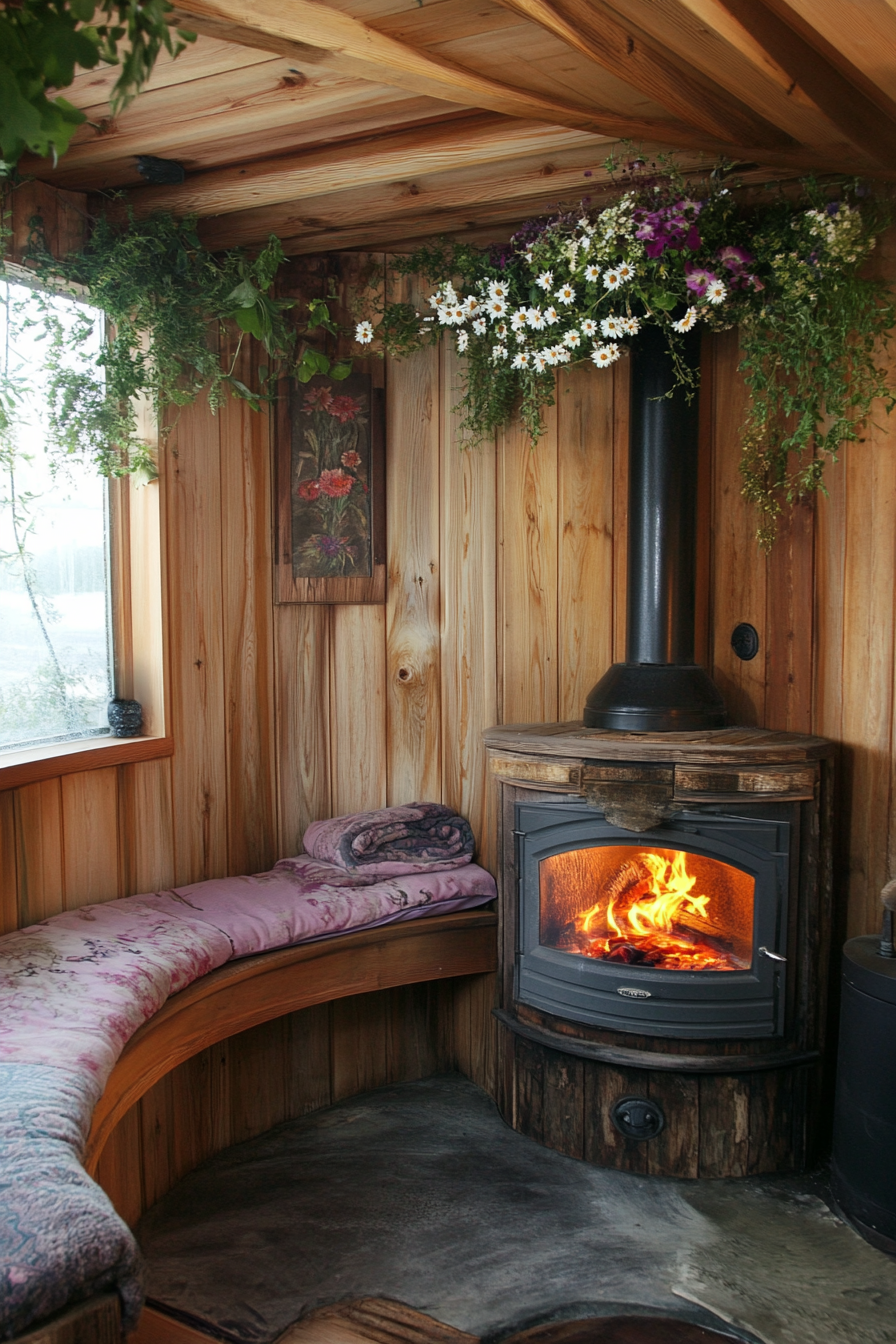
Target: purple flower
697,278
330,546
734,258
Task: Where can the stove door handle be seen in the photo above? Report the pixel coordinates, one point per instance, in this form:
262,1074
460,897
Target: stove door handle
773,956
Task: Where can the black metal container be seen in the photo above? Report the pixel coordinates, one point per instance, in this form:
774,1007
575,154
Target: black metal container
659,687
863,1169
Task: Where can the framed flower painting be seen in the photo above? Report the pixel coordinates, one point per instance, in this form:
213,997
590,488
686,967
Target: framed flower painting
330,490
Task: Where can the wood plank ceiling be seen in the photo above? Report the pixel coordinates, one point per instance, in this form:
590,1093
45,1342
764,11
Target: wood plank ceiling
368,123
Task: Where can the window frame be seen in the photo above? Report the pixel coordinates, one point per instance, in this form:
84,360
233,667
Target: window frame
139,624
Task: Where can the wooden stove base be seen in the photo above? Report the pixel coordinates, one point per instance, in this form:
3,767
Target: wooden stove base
736,1124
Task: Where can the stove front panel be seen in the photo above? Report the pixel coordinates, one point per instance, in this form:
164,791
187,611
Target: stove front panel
678,931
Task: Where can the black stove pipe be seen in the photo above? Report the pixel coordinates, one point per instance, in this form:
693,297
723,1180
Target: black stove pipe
659,687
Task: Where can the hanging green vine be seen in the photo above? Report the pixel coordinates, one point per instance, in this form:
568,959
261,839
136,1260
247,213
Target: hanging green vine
166,300
674,253
42,42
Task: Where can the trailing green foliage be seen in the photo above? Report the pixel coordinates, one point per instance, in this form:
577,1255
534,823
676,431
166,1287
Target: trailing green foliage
674,254
42,42
165,298
811,349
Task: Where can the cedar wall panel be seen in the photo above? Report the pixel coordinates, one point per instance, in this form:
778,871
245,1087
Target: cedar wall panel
506,602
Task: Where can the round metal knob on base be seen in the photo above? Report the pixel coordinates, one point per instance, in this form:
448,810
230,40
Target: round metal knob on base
638,1118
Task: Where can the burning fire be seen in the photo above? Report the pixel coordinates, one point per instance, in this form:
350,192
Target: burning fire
643,918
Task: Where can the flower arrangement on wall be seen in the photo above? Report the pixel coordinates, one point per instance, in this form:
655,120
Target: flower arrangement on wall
578,287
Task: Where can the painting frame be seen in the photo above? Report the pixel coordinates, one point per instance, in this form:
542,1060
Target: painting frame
330,515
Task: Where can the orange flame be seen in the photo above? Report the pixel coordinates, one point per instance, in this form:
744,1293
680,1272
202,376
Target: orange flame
649,921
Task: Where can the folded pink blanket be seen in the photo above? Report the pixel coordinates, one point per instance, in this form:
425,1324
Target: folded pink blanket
415,838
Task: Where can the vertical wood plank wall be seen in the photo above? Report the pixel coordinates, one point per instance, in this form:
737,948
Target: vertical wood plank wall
506,591
506,602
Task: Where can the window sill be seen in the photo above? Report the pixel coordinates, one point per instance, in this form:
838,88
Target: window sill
70,758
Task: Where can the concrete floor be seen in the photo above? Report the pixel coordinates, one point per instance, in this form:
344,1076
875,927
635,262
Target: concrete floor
421,1193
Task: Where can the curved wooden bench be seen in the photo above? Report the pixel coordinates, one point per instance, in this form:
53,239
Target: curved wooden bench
245,993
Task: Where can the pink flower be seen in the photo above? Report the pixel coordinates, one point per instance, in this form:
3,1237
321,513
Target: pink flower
733,258
309,490
350,459
336,483
318,399
344,408
697,278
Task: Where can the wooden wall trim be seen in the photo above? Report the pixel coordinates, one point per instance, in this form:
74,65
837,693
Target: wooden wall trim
72,758
257,989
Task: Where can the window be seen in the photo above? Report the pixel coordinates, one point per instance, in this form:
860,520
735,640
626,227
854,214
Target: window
80,564
55,602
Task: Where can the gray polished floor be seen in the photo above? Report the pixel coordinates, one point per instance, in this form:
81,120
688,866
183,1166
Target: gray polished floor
421,1193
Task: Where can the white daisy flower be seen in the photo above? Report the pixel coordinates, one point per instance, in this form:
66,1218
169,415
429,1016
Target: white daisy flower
501,330
535,319
612,278
463,338
540,360
496,308
518,320
444,315
612,326
592,272
604,355
626,273
434,300
479,325
589,327
498,352
716,291
521,338
471,306
549,354
364,333
560,353
497,290
551,316
565,294
631,325
685,323
458,314
572,339
545,280
522,360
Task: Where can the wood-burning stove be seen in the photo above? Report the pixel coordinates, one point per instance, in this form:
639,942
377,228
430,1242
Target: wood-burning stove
665,881
677,931
665,929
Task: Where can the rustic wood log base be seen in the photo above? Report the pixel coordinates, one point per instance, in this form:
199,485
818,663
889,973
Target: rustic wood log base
732,1107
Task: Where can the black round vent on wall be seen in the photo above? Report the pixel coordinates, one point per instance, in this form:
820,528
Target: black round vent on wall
745,641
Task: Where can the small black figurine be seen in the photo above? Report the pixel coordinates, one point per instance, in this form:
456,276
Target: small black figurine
125,717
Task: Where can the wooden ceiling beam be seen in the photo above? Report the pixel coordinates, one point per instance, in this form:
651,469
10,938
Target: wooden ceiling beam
540,184
861,112
362,51
555,176
454,143
596,31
